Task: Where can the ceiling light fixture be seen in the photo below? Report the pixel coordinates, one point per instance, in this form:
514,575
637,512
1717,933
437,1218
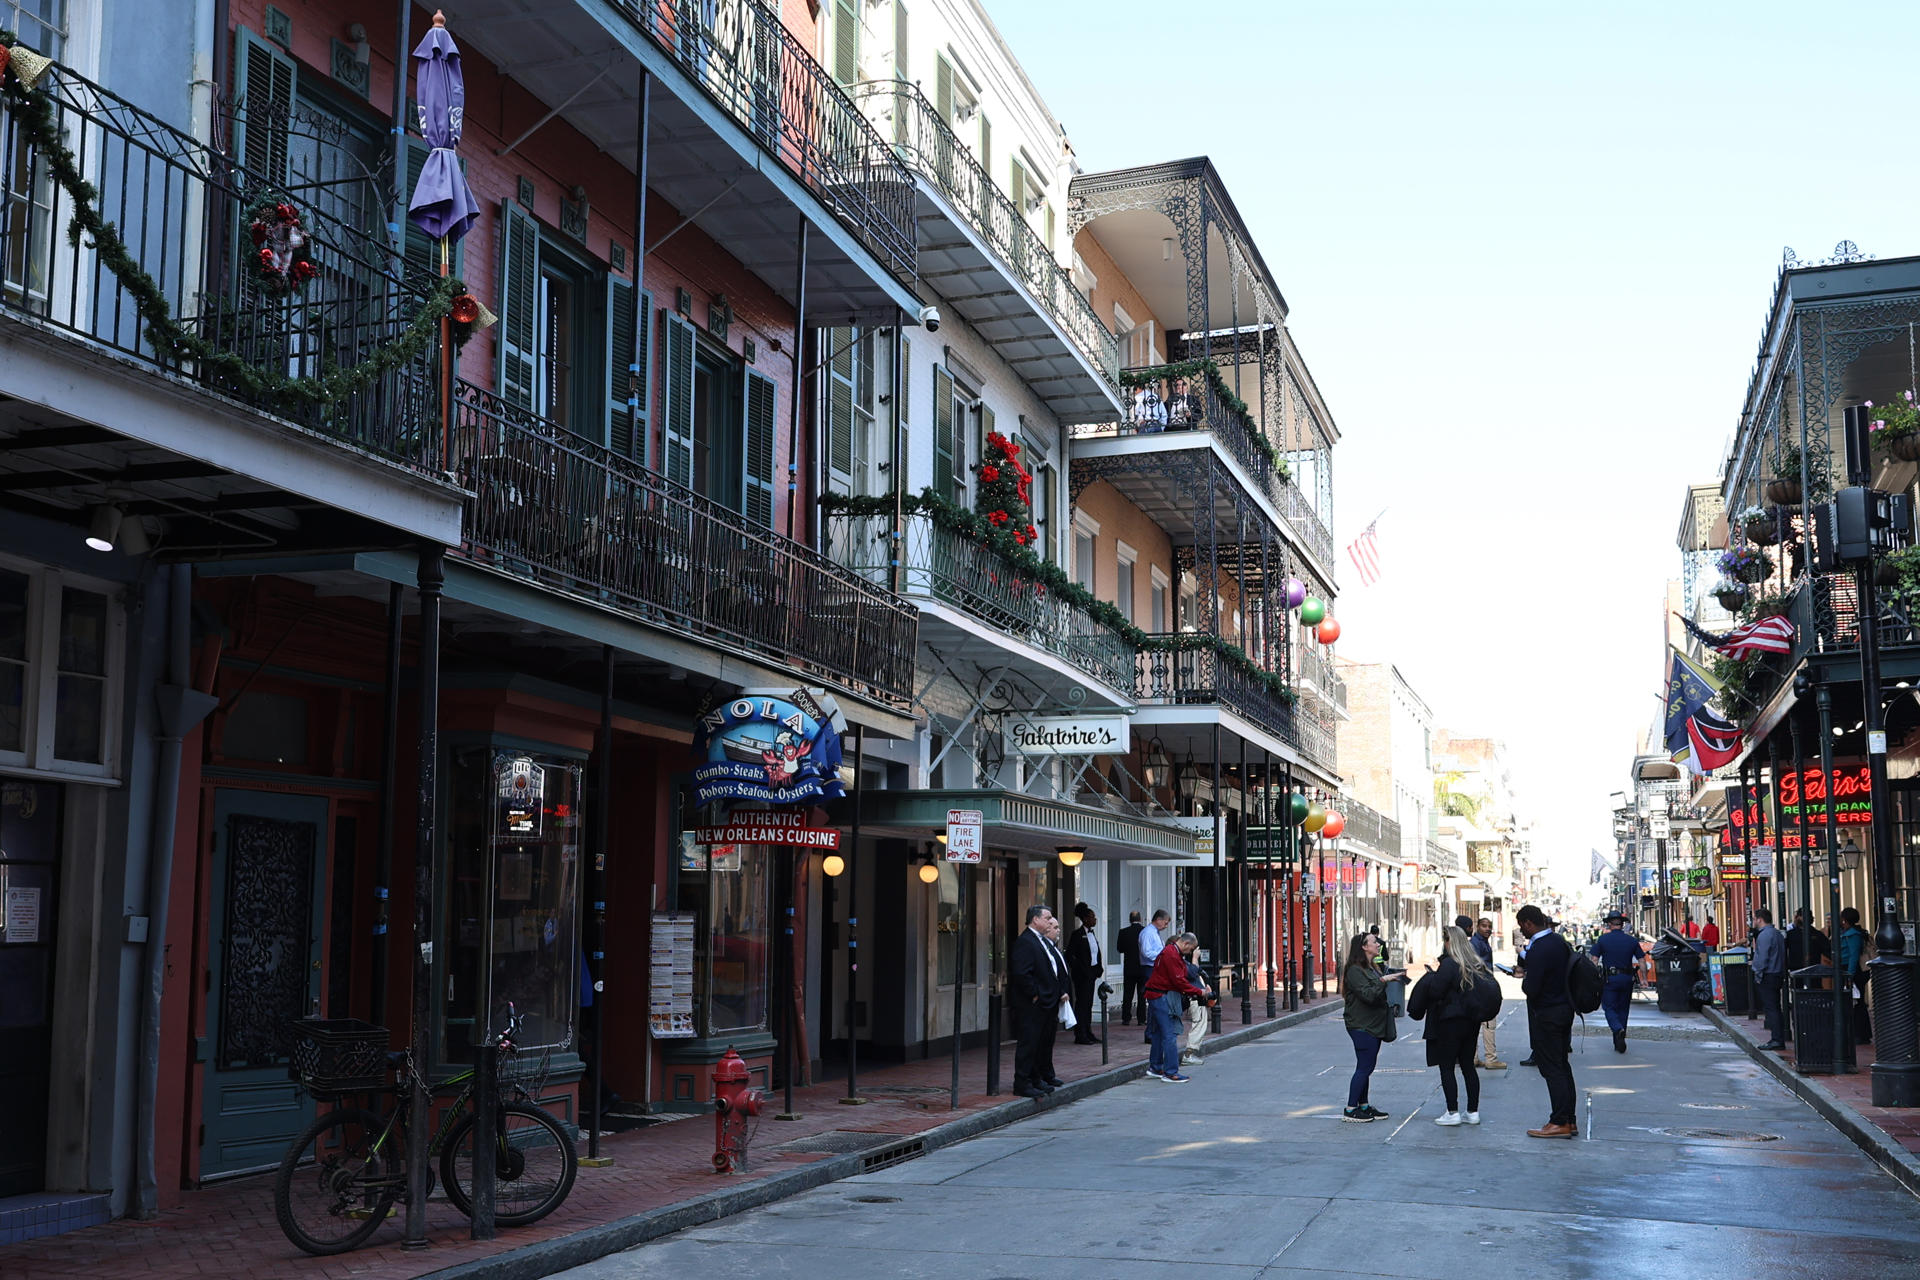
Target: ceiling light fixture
103,526
1071,856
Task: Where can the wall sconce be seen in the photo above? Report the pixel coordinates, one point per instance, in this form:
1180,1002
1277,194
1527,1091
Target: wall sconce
357,33
1070,855
103,526
929,872
833,864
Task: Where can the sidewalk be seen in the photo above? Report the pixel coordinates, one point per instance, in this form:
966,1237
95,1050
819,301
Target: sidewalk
660,1181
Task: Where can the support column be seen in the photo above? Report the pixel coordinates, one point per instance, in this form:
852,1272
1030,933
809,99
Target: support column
596,886
1823,699
389,788
431,576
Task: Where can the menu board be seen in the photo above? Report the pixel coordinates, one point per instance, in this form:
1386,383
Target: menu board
670,976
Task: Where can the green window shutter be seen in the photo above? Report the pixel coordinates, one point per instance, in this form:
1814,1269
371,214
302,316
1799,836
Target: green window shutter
1018,189
986,425
840,409
265,80
758,397
943,90
519,299
846,41
900,46
626,432
943,433
676,399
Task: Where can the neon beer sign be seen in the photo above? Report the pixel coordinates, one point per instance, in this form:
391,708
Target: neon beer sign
1804,796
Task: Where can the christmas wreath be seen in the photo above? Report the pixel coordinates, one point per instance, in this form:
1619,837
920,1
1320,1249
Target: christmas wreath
1005,496
282,265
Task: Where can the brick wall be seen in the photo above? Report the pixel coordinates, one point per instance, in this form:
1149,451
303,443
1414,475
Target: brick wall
1121,521
1112,286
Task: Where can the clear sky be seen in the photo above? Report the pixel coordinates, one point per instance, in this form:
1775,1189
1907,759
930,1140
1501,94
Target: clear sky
1528,249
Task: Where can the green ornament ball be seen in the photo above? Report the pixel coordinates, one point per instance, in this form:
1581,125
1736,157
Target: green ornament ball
1312,610
1297,808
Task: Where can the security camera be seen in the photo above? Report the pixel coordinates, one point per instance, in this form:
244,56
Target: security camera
930,319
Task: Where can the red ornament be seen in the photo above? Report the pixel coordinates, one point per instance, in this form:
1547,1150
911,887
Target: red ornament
1328,631
1335,824
465,309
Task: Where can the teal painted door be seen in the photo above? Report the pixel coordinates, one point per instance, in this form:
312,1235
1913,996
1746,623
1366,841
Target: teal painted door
263,961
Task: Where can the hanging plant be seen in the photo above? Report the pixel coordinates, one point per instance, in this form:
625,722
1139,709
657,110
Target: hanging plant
1895,428
1731,595
1745,564
1785,488
281,263
1005,492
1765,604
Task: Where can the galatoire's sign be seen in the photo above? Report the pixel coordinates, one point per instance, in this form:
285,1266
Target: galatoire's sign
774,748
1069,735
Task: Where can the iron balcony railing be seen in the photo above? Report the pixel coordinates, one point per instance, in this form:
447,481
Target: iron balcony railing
929,146
759,72
1201,677
573,516
180,206
1159,399
1370,827
1825,612
1443,859
1314,670
939,564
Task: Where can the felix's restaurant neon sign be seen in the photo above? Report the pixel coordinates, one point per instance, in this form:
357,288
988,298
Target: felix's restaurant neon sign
1804,794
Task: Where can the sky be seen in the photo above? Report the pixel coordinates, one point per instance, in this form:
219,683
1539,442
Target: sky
1527,251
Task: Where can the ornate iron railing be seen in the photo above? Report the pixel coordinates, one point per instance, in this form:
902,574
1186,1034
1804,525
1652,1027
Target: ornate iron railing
939,564
573,516
1201,677
179,205
1370,827
1444,859
759,72
1314,670
930,147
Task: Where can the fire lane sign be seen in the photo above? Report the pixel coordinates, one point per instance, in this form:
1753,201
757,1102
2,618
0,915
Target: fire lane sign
965,835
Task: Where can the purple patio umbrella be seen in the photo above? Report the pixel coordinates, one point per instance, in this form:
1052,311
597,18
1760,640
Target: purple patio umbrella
443,204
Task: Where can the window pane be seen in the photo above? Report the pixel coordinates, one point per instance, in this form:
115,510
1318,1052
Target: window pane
13,615
77,719
13,720
947,923
83,632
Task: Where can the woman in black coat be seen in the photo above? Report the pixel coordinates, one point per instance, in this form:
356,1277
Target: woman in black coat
1441,999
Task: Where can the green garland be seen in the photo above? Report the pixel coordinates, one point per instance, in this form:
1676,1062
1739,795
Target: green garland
33,111
975,527
1211,372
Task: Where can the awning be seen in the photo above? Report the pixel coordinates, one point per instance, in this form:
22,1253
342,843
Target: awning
1029,824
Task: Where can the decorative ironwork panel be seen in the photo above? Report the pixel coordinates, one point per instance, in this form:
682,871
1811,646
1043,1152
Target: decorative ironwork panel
263,956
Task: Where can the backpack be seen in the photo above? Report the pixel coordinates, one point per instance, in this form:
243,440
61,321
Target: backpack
1482,999
1583,982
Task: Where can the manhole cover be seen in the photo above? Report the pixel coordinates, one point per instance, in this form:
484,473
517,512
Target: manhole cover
1721,1135
876,1199
839,1141
1717,1106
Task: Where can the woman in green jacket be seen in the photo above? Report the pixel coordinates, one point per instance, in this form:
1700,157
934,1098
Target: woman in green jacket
1369,1021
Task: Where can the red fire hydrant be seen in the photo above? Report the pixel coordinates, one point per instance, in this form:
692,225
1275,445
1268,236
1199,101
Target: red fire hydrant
733,1102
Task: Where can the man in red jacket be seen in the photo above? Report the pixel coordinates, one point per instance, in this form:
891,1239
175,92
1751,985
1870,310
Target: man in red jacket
1165,985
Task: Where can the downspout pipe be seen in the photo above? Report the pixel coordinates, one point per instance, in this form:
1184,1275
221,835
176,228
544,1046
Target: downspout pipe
181,709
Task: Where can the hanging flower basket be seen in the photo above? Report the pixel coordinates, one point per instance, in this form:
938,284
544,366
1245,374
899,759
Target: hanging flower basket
1886,573
281,262
1784,491
1730,596
1764,529
1746,564
1905,448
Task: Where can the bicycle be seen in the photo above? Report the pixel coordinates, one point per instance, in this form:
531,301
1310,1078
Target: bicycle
345,1172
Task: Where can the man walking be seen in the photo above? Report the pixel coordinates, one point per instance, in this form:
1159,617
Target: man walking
1805,944
1165,985
1133,978
1480,937
1084,964
1036,984
1153,940
1770,972
1618,953
1549,1017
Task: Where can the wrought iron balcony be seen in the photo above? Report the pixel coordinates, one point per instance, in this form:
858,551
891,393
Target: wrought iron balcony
1313,670
940,564
1165,398
1202,677
181,206
1444,859
1370,827
570,515
759,72
928,145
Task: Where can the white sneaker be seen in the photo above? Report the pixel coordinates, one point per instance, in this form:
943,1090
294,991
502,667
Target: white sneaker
1472,1117
1450,1119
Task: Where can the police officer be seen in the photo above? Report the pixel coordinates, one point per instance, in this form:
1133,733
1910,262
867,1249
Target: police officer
1617,952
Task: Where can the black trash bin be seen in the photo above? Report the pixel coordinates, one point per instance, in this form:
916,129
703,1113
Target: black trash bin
1734,981
1676,967
1813,1023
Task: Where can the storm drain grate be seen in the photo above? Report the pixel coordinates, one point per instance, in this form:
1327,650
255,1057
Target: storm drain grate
1722,1135
899,1153
840,1142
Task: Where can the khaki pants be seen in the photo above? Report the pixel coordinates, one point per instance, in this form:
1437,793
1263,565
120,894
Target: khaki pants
1198,1020
1487,1051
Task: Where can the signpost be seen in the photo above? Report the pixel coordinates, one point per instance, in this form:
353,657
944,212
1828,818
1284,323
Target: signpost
966,829
965,835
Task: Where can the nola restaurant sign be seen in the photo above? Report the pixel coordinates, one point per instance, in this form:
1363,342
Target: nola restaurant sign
1069,735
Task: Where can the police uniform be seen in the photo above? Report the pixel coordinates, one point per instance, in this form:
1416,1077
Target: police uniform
1618,952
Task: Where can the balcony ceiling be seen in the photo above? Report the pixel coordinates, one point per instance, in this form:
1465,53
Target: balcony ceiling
976,287
1136,241
1036,677
1150,472
1016,823
584,59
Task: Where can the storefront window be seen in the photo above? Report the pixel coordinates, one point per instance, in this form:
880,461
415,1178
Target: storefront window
512,899
728,888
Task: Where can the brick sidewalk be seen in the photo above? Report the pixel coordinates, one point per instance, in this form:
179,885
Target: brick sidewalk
1855,1088
228,1231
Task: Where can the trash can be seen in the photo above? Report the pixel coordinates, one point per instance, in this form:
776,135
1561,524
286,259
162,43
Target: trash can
1813,1022
1676,967
1736,993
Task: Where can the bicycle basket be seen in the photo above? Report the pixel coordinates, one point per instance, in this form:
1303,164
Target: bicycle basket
338,1055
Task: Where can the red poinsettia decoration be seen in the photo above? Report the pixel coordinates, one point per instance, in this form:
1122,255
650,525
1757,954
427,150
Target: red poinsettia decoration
1005,493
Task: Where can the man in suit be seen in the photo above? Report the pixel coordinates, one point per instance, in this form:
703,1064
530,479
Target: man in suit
1549,1018
1770,972
1036,984
1133,976
1084,963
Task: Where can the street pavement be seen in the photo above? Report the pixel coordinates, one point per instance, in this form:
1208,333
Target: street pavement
1698,1163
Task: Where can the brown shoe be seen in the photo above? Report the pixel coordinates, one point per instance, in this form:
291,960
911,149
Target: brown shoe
1552,1131
1496,1065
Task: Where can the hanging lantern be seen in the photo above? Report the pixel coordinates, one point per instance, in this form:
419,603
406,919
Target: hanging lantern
1316,819
1312,610
1296,592
1328,631
1335,824
1297,808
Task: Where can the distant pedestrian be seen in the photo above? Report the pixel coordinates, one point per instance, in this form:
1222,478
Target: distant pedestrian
1036,984
1133,975
1153,939
1444,998
1618,953
1083,966
1165,985
1369,1022
1805,944
1693,928
1854,945
1549,1017
1199,1016
1770,971
1710,934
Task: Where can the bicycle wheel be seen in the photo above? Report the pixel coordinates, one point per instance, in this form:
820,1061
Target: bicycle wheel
333,1189
533,1166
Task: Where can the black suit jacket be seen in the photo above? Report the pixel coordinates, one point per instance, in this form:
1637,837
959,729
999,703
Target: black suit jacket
1126,945
1546,982
1032,977
1080,956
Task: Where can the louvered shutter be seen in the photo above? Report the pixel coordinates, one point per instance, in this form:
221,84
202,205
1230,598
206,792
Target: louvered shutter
846,41
943,433
757,499
519,302
676,399
986,425
906,378
900,46
943,90
626,432
265,81
840,409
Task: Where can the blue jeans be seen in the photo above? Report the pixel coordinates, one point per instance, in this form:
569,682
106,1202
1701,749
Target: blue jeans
1163,1023
1366,1052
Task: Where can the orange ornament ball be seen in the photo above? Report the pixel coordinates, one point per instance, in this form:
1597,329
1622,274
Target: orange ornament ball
1328,631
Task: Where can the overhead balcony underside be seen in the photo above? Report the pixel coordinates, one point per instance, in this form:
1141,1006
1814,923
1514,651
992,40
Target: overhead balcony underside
1029,824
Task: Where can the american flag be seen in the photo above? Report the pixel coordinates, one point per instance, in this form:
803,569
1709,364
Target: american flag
1763,635
1364,551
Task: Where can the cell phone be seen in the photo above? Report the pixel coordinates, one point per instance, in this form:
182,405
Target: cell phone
1504,968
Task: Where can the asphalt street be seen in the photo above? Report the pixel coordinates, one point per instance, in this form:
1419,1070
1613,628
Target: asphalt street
1697,1164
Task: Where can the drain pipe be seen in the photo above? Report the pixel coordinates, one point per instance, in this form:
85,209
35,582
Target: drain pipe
180,709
